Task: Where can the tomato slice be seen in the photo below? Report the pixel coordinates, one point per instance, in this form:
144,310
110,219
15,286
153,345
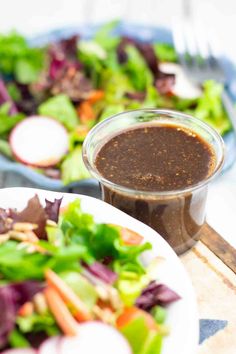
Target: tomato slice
131,313
130,237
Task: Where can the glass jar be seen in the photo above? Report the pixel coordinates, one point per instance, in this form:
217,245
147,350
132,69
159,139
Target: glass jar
177,215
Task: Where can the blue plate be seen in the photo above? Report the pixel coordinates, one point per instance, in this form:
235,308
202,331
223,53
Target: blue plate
140,32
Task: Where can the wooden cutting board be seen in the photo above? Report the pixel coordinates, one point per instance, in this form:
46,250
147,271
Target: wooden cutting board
211,265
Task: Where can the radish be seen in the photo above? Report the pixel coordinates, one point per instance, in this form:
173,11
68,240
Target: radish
39,141
95,337
20,351
183,87
50,346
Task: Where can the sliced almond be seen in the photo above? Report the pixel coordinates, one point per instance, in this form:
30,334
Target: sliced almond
102,292
4,238
105,315
24,226
40,303
51,223
18,236
32,237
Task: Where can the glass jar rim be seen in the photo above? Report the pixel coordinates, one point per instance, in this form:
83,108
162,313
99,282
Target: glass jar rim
144,193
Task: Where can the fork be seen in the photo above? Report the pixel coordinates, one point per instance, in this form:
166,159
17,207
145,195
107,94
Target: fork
196,56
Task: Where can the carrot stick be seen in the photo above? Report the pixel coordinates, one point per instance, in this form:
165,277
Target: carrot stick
95,96
68,295
26,310
86,112
62,315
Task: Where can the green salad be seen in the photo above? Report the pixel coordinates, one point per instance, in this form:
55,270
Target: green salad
70,285
79,82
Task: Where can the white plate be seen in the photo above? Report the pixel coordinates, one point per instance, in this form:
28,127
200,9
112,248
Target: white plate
182,315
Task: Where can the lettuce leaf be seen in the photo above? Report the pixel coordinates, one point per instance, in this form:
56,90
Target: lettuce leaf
165,52
82,287
38,323
61,108
25,71
19,59
17,340
210,109
17,264
73,167
137,70
74,219
101,240
5,149
147,342
105,35
8,121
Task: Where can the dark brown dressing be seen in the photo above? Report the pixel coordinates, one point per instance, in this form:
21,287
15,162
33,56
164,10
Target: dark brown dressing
155,158
158,159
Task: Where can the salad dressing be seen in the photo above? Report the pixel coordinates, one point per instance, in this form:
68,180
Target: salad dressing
158,158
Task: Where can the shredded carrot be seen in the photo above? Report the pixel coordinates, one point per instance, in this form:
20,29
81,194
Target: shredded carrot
95,96
61,313
81,312
26,310
86,112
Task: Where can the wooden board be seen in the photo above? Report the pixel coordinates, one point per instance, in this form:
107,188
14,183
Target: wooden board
221,248
211,265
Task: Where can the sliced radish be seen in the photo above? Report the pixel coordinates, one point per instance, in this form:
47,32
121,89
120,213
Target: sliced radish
39,141
50,346
95,337
183,87
20,351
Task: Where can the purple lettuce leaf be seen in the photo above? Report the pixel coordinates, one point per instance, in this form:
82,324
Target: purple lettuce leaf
63,55
164,82
149,55
53,173
65,48
120,50
156,294
5,97
12,297
56,66
28,103
52,209
138,96
5,225
102,272
72,82
33,213
64,74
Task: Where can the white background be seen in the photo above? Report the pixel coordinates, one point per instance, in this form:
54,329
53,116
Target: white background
216,16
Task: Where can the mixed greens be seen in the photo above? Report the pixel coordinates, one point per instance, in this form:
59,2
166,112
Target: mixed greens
64,273
80,82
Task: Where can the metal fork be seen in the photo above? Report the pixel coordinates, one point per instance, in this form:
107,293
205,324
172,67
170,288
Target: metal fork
197,57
